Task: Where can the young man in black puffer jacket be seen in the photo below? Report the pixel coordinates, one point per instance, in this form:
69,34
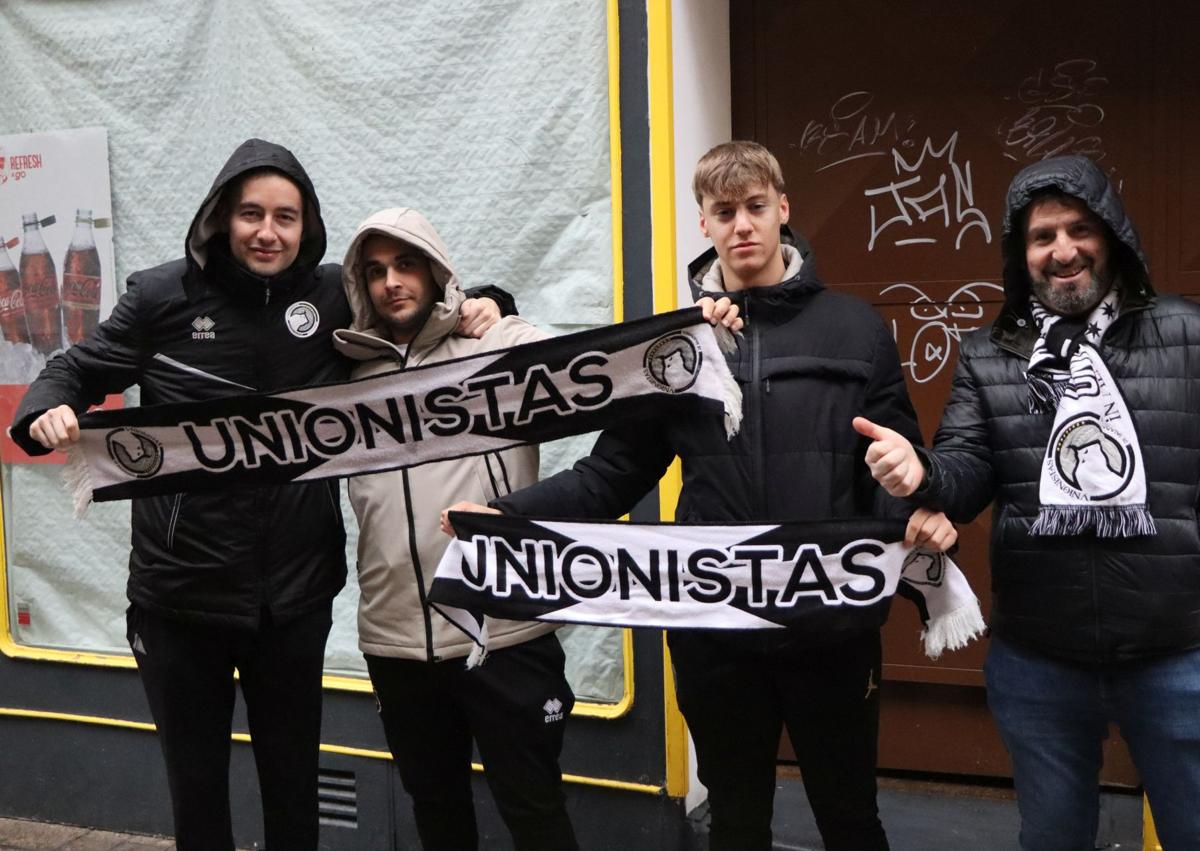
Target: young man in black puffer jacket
1076,412
811,359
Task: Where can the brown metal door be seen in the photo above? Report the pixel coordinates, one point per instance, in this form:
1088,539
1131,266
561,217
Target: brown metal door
899,126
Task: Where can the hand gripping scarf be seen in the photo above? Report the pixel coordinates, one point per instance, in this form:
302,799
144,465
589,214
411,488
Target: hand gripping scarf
1092,475
661,366
813,576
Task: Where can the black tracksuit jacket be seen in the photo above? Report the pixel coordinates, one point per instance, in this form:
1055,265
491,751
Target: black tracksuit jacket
185,333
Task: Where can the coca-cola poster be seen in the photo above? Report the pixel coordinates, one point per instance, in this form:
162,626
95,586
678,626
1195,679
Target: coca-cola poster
57,275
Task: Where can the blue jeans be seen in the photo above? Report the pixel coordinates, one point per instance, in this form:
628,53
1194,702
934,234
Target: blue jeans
1053,718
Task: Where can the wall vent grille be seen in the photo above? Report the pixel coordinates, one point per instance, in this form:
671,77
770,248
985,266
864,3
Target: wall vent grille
337,798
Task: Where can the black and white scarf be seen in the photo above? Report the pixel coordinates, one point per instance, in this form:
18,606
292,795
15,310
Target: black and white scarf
734,576
1092,474
662,366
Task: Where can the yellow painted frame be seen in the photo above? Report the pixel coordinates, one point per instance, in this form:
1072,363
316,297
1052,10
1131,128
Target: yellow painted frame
662,225
1149,834
10,648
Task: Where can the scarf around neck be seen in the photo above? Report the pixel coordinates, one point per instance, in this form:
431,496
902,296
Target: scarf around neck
1093,477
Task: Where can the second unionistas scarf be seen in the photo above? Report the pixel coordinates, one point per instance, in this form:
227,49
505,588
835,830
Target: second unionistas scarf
735,576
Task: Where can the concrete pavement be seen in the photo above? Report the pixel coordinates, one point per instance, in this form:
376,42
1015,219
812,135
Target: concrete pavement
919,816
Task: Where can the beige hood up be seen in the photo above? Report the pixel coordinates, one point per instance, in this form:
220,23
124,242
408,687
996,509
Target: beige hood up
398,512
361,340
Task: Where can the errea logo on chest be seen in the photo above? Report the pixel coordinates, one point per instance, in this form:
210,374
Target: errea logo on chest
202,328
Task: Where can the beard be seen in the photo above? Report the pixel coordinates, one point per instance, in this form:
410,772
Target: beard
1073,299
406,328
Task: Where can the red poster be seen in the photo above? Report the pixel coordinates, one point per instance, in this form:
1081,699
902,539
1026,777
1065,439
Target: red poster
57,274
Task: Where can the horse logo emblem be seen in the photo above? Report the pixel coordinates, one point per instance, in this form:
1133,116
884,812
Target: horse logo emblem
672,363
1091,459
302,319
135,452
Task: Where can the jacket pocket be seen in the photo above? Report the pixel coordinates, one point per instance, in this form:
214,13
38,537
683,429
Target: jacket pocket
836,370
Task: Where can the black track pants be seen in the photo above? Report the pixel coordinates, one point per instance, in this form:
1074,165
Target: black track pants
738,690
515,707
187,671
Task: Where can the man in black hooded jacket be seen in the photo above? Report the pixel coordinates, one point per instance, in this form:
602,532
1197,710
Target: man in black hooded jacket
1076,412
243,578
811,359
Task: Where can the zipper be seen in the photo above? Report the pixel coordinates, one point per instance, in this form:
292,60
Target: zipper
419,574
260,495
757,414
171,523
416,563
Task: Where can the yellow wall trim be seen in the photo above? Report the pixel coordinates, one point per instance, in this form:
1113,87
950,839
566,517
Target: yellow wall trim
662,221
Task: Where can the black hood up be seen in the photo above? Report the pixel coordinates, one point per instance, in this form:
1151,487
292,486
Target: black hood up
1082,178
805,283
252,155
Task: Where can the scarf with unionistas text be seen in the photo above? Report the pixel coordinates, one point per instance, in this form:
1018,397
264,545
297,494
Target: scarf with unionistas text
1092,474
813,576
662,366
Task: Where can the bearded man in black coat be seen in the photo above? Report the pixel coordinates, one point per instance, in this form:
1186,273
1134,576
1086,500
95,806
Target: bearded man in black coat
1076,412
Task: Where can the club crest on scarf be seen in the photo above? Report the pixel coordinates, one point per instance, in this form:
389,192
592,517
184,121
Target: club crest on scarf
924,568
1092,477
1091,463
136,452
673,362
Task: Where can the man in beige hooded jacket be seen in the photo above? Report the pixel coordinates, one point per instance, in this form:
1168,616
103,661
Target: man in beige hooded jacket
405,299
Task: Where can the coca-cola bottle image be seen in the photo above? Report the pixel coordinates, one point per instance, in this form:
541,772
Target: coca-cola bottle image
12,305
81,281
39,288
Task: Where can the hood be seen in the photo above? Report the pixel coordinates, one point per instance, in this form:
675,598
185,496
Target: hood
252,155
800,279
408,226
1080,177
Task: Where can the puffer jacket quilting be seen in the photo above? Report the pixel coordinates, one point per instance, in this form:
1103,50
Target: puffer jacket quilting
1080,598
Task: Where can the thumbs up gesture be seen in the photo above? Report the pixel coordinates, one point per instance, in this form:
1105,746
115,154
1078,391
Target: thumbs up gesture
891,458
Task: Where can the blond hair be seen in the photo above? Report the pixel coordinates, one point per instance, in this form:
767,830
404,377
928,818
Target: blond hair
730,170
